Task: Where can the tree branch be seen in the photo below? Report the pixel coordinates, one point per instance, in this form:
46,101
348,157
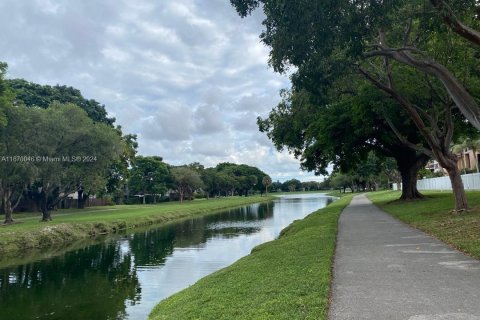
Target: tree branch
460,96
449,127
456,25
407,105
406,36
405,141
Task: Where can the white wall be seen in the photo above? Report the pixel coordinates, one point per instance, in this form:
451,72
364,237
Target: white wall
470,181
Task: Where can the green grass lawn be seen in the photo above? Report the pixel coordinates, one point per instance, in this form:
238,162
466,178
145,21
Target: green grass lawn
433,216
288,278
72,225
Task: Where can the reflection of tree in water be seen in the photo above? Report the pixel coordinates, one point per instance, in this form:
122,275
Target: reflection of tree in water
91,283
95,282
259,211
153,246
229,224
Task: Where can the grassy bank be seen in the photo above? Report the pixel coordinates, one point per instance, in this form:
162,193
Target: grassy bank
432,215
288,278
69,226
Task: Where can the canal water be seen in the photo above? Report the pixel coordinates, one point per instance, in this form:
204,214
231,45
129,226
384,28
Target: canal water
125,276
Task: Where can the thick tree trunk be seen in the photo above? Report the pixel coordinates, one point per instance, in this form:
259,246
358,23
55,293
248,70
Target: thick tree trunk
439,143
449,161
409,163
82,198
46,216
409,185
44,206
458,189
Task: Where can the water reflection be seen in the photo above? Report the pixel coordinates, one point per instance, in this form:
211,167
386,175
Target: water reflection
91,283
124,278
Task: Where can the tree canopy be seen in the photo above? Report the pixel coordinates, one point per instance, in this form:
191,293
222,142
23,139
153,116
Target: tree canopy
401,47
148,176
42,96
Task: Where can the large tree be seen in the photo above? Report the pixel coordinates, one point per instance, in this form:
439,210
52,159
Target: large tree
266,181
344,129
75,153
399,30
148,176
328,38
119,172
18,144
245,177
42,96
186,181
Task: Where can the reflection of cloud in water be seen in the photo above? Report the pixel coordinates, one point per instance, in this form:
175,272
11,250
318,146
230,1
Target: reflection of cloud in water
226,238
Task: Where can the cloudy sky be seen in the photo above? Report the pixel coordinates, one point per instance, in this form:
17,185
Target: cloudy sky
189,77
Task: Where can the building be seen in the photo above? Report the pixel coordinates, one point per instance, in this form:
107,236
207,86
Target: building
467,161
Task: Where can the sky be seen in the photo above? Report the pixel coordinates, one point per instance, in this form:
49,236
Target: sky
189,77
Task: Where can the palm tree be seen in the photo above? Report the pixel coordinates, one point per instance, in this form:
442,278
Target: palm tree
266,181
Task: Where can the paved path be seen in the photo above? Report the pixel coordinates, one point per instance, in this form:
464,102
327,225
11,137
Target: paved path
386,270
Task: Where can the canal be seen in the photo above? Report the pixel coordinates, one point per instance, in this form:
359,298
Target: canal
123,277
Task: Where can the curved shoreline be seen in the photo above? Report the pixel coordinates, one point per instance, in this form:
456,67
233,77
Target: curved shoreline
288,278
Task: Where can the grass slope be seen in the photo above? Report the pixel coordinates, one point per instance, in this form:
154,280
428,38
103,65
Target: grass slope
69,226
288,278
432,215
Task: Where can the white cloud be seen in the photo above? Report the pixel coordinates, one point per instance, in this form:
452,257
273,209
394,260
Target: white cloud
188,76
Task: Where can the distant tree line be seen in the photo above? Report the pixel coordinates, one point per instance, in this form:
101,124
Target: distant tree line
151,179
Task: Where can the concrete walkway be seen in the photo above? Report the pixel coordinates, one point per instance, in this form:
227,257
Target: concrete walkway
386,270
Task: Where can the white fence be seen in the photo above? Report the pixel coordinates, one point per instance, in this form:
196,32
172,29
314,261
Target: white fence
470,182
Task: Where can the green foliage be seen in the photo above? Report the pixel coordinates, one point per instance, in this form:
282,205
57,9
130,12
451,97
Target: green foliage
119,171
343,131
266,181
292,185
369,175
240,177
148,175
19,140
288,278
311,185
186,181
341,181
66,150
70,133
425,173
36,95
402,48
